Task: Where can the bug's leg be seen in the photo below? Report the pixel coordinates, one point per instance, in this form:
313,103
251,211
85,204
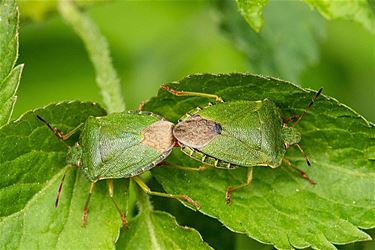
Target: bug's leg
200,168
307,107
186,93
303,154
122,214
72,132
60,187
147,190
58,132
84,217
140,106
303,173
230,189
290,119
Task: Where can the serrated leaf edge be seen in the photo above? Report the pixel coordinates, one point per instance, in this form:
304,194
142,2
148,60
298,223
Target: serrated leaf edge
53,104
268,78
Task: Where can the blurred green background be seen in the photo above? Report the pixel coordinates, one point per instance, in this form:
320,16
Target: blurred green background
153,42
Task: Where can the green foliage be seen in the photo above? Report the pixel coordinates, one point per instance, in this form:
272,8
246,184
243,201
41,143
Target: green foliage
243,242
368,245
352,10
9,36
280,207
97,47
8,89
270,51
212,231
9,76
152,229
252,11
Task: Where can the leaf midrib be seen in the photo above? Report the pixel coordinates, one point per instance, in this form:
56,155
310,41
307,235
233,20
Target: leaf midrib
151,230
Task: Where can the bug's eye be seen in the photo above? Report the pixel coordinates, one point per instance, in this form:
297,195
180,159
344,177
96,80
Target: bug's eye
218,128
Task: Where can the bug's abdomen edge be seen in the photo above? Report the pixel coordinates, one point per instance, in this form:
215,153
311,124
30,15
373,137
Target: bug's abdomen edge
204,158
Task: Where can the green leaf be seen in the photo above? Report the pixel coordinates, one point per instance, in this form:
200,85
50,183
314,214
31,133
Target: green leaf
152,229
287,44
9,37
32,161
9,77
351,10
8,89
252,11
211,230
367,245
97,47
243,242
280,207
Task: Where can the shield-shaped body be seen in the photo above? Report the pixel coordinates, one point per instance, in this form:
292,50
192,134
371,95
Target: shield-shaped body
232,134
123,145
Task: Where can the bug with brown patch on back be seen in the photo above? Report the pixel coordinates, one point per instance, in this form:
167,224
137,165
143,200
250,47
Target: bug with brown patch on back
237,134
119,145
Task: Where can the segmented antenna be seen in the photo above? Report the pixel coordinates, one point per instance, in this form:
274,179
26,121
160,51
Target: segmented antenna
307,107
56,131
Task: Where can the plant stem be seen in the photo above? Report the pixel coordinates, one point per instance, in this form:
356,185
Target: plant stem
97,47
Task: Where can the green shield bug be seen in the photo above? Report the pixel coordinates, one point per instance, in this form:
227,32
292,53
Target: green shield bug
119,145
237,134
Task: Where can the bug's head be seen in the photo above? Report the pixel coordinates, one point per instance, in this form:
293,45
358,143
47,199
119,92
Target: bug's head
74,156
290,136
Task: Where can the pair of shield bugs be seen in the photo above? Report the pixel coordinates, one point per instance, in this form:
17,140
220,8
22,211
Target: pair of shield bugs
222,135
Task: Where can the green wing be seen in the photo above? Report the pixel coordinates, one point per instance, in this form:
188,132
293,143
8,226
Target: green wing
112,146
131,162
244,139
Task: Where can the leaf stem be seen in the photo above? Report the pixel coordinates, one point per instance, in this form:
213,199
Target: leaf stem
97,48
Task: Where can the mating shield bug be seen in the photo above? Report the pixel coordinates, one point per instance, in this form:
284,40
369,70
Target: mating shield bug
237,134
119,145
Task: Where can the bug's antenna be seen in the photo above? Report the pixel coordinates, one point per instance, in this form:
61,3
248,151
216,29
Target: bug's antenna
60,188
63,137
307,107
45,122
56,131
303,153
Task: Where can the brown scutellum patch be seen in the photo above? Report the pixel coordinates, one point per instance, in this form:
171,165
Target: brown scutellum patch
196,132
159,136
